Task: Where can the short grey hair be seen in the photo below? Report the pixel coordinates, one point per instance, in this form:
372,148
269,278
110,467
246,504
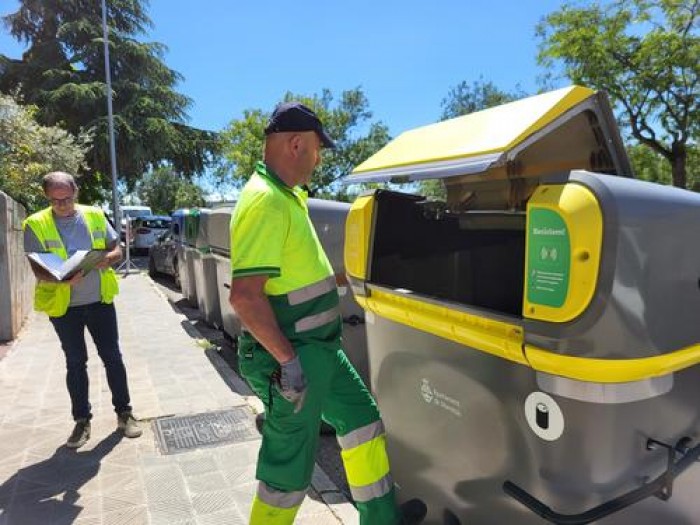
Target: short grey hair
60,179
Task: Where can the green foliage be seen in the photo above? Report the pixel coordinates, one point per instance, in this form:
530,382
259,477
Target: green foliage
62,73
464,98
348,122
649,165
644,53
164,191
28,151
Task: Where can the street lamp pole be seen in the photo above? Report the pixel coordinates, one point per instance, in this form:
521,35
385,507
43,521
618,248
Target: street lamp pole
110,120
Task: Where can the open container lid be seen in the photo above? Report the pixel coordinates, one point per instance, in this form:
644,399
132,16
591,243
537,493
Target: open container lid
570,128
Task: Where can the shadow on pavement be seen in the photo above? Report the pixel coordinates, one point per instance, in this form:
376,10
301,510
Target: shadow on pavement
29,496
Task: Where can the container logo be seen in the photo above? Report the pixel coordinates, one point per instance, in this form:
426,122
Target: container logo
544,416
427,391
434,397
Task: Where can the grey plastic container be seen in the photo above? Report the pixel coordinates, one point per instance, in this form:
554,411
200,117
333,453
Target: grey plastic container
468,429
184,256
204,268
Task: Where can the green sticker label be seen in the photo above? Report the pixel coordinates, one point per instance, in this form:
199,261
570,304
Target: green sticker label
548,258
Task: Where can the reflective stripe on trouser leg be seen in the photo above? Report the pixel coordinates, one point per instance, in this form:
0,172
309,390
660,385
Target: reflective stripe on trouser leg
274,507
367,469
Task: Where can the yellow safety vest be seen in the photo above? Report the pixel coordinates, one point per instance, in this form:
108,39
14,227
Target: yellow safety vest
54,298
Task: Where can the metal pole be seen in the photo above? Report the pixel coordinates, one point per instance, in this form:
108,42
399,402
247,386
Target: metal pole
110,120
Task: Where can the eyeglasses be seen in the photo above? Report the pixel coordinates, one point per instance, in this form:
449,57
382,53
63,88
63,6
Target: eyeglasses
62,202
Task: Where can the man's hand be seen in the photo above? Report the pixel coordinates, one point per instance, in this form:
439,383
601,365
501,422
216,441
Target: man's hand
76,279
105,263
112,257
292,383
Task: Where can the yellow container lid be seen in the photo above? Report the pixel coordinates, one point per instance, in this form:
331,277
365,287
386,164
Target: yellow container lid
473,143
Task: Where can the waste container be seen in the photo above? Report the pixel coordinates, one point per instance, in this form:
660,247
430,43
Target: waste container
220,242
204,267
184,255
328,218
533,340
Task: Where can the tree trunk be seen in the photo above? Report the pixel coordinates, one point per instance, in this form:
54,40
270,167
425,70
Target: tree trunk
679,155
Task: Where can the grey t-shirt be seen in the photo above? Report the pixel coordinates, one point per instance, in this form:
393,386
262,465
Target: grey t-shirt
75,236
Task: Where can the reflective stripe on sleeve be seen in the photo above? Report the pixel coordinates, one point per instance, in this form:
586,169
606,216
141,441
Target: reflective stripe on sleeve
311,291
315,321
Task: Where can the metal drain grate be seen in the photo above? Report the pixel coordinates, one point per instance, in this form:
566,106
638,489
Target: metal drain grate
183,433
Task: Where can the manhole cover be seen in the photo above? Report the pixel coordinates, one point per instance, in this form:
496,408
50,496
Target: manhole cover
183,433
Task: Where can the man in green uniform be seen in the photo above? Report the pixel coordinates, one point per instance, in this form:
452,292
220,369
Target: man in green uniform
283,289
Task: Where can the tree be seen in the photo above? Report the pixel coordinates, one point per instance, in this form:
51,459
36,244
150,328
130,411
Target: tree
649,165
62,73
644,53
164,191
28,151
243,140
464,99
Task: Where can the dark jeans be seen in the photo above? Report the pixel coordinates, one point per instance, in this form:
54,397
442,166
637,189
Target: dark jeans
101,321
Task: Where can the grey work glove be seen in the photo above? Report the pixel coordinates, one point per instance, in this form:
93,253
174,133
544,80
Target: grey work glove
292,383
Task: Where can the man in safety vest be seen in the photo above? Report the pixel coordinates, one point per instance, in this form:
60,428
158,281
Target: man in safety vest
284,291
83,301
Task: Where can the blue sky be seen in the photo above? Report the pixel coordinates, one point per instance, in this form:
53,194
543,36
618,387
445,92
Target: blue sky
406,55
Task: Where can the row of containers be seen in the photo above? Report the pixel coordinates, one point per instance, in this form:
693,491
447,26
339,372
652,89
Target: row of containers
204,268
533,338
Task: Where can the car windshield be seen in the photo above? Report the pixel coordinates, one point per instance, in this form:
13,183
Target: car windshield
136,213
157,224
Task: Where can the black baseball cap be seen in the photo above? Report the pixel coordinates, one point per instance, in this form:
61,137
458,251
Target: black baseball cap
294,116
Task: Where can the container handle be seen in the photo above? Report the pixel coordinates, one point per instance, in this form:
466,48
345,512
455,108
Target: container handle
661,487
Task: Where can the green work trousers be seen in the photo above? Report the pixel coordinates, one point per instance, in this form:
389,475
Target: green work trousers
335,394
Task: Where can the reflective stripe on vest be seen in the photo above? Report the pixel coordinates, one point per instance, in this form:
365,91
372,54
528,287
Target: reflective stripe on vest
311,291
317,320
366,462
312,311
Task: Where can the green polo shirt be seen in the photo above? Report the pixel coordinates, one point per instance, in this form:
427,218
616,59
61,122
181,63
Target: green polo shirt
271,234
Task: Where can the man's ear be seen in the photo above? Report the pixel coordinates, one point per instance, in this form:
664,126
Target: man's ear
295,144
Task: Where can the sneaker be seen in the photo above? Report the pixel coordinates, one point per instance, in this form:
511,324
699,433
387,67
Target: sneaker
80,434
128,425
412,512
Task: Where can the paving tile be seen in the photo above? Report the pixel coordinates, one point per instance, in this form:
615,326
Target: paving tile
196,463
208,482
228,517
137,515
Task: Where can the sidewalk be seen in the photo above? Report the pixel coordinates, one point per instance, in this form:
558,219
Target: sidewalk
154,479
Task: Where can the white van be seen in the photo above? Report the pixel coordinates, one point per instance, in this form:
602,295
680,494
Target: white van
131,212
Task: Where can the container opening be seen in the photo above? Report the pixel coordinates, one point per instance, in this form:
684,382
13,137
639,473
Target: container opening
476,258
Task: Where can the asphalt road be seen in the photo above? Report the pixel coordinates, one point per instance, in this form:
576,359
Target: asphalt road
328,454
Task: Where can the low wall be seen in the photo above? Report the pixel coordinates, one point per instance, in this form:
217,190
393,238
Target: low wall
16,278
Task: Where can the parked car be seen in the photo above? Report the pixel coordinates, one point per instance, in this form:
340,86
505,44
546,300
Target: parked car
132,212
163,255
145,230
